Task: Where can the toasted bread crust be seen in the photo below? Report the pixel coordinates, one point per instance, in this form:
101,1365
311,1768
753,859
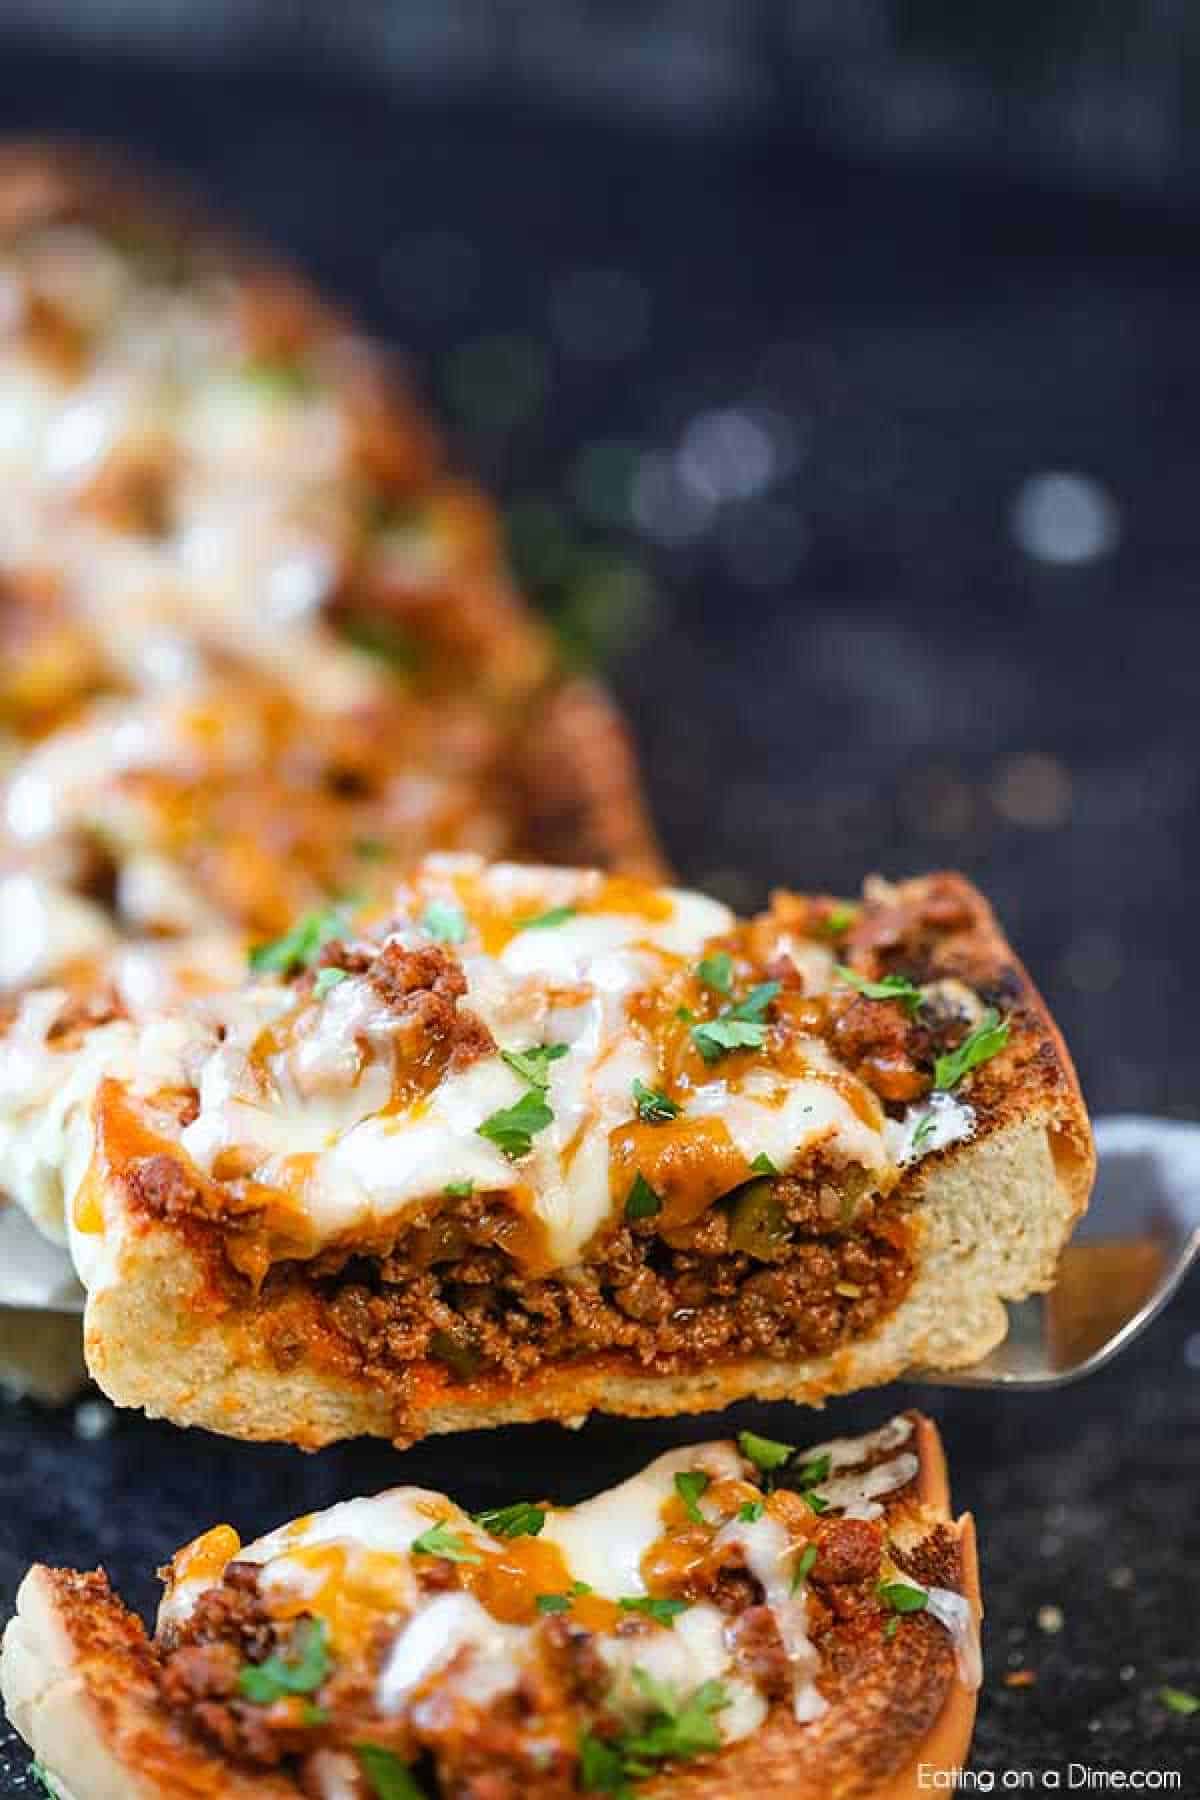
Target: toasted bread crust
77,1674
989,1219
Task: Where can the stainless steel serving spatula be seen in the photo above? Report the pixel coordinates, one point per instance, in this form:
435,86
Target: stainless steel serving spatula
1137,1242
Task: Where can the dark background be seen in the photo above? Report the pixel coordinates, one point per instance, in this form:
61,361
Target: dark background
841,374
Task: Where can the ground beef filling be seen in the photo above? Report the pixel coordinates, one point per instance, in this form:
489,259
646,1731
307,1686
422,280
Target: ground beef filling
661,1306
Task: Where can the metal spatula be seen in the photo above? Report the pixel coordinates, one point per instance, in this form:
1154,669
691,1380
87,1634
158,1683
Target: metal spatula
1140,1237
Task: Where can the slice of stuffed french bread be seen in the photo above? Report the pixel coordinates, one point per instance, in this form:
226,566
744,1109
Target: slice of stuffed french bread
528,1142
736,1618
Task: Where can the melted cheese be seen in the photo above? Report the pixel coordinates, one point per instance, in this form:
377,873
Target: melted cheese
353,1567
770,1556
604,1540
44,928
301,1091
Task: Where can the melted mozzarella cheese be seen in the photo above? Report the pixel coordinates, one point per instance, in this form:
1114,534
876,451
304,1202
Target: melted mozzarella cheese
931,1124
448,1637
770,1557
43,928
603,1540
785,1115
453,1625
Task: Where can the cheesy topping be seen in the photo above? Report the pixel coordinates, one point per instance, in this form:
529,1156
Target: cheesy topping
318,1093
477,1631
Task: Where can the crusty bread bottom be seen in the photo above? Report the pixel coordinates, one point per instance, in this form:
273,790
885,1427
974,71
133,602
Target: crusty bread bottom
75,1679
991,1219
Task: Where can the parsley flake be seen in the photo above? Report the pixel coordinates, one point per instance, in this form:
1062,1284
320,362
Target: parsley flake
442,1540
297,948
902,1596
326,979
557,915
892,987
390,1778
804,1565
1178,1700
445,922
658,1607
519,1520
765,1453
839,921
641,1202
533,1065
988,1037
558,1603
678,1728
762,1164
925,1130
383,638
514,1128
717,1036
653,1106
300,1670
750,1511
716,971
740,1027
459,1190
689,1485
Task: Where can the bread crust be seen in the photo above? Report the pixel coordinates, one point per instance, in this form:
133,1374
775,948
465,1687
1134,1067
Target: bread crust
75,1671
989,1218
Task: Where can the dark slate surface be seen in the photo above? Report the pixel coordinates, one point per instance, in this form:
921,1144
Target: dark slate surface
856,663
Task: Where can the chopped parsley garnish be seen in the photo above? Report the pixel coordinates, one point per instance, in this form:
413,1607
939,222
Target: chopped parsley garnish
556,915
326,979
383,638
459,1190
445,922
370,849
300,1671
902,1597
689,1485
390,1778
532,1065
750,1511
740,1027
642,1202
297,948
840,920
514,1128
892,1627
277,378
762,1164
804,1565
557,1603
676,1729
765,1453
1178,1700
988,1037
653,1106
522,1519
815,1502
442,1540
662,1610
717,1036
716,971
892,987
815,1470
924,1132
